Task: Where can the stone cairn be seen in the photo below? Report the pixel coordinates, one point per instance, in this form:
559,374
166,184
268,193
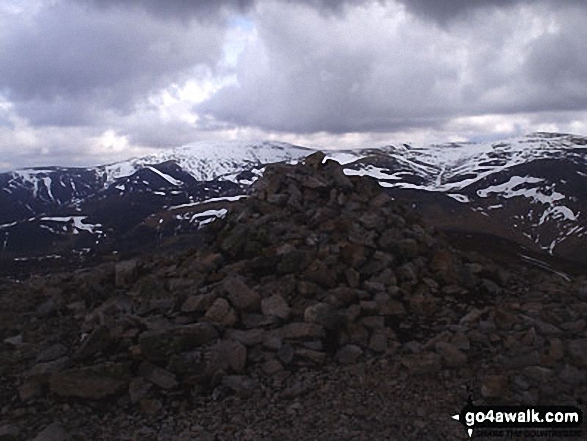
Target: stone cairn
314,267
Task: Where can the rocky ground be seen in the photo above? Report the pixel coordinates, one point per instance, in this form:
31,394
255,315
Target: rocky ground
319,309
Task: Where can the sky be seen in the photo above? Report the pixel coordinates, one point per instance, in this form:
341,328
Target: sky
87,82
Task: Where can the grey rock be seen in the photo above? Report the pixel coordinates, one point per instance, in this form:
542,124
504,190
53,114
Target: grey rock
275,306
422,363
301,330
138,389
91,382
158,376
198,303
578,352
53,432
228,354
52,353
451,355
348,354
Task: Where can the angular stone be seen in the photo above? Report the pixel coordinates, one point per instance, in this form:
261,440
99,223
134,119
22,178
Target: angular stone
52,353
250,337
92,382
461,341
228,354
138,389
241,296
301,330
348,354
557,349
53,432
286,354
198,303
494,386
309,354
97,341
578,352
275,306
342,296
323,314
451,355
271,367
8,432
378,341
31,388
422,363
221,312
126,273
538,373
158,376
241,385
373,322
573,376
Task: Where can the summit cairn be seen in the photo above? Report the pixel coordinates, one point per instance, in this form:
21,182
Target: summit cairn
314,268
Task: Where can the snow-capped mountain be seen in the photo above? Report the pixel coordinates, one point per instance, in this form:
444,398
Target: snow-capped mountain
529,190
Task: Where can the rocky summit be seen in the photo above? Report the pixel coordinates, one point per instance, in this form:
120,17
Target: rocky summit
319,307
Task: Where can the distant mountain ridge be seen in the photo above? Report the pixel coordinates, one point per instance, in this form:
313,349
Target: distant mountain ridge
529,190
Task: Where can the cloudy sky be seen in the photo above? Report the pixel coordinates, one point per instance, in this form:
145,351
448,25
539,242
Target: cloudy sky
92,81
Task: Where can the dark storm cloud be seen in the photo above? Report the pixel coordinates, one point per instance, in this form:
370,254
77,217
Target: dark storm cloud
178,9
72,62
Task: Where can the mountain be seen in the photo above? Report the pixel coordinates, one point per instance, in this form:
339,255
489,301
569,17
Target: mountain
527,194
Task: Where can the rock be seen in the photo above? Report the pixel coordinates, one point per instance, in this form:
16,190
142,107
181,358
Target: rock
241,296
250,337
158,376
91,382
342,296
241,385
52,353
286,354
378,342
557,349
228,354
578,352
126,273
31,388
323,314
138,389
422,363
461,341
221,312
451,355
301,330
46,309
494,386
14,341
150,406
271,367
348,354
8,432
312,355
53,432
275,306
538,373
97,341
571,375
198,303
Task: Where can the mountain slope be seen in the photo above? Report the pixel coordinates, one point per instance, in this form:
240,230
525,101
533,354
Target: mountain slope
529,190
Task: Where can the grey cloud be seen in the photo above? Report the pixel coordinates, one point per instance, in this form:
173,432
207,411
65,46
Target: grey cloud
448,11
176,9
309,74
74,61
